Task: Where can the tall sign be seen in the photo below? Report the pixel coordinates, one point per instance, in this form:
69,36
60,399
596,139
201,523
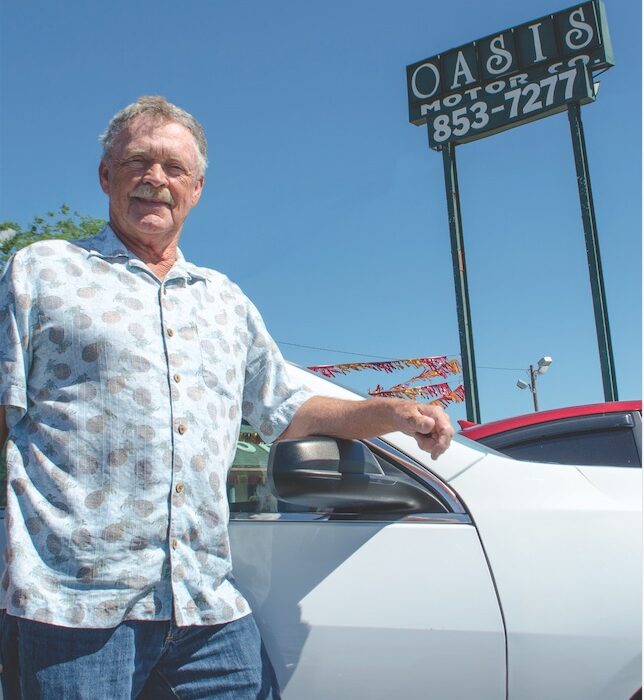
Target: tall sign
512,77
503,80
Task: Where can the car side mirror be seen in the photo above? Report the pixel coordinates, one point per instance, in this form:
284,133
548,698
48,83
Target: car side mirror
341,475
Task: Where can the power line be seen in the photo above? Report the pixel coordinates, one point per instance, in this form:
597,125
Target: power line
380,357
509,369
342,352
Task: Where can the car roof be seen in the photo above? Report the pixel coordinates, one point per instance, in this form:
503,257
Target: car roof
475,432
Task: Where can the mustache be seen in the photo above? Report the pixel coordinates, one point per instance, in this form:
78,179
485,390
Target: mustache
146,191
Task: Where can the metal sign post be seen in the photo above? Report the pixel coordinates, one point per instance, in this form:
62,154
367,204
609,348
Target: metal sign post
609,379
460,285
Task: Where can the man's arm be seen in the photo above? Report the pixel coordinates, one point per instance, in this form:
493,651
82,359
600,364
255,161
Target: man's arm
322,415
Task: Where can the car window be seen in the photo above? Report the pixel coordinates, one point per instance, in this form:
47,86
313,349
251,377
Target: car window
249,492
247,489
616,448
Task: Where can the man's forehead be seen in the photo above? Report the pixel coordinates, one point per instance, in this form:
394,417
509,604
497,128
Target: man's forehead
149,125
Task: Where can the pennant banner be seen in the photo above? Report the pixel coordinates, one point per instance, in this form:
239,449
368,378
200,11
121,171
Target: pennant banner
441,393
436,366
456,396
430,390
444,392
454,368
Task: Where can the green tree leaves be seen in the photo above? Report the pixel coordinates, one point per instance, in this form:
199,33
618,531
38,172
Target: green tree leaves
63,224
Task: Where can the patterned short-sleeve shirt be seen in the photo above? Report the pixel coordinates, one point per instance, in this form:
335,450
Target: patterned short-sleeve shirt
124,396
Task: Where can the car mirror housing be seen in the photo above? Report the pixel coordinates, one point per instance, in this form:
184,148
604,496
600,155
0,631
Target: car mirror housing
342,475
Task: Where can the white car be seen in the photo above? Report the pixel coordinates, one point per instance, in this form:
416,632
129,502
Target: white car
379,573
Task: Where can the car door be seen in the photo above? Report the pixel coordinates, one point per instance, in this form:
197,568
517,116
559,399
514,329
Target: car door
356,605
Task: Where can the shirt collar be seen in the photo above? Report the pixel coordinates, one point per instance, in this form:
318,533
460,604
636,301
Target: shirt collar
182,268
107,245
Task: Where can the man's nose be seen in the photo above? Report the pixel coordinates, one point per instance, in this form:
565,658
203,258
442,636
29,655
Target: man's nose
155,175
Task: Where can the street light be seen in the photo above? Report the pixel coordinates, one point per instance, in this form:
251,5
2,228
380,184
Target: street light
541,368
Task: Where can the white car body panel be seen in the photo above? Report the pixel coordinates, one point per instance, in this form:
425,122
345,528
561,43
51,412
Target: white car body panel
379,610
566,557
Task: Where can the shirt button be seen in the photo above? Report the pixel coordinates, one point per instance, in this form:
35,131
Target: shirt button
177,378
170,332
174,544
179,488
182,428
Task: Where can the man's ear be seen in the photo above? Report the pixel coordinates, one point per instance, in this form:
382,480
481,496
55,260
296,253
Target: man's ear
103,176
196,193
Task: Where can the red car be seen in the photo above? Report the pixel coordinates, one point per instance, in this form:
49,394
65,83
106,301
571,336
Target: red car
595,434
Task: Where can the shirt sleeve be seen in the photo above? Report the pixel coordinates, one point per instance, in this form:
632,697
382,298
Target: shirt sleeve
15,327
271,394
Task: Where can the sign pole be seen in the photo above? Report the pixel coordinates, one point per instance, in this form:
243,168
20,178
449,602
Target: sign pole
592,249
460,284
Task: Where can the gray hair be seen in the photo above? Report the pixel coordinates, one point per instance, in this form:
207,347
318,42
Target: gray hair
163,110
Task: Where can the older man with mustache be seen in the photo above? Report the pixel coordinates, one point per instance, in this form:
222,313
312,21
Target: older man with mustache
124,375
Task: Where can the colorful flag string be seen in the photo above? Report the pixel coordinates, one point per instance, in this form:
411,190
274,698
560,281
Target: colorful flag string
454,368
440,365
444,392
441,393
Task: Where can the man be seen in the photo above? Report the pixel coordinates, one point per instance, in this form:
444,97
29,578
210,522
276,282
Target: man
124,375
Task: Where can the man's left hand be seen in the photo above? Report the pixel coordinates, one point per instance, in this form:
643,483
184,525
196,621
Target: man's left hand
435,432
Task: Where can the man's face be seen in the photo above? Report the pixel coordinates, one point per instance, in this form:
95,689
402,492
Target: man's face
151,179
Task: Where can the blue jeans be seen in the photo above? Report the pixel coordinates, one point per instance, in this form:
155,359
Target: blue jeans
141,659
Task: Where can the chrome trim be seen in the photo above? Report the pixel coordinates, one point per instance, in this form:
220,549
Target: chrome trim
440,518
279,517
415,518
408,464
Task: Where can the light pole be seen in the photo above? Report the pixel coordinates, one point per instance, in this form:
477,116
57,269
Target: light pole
541,368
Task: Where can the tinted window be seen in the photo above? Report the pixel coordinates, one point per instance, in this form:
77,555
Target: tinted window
603,447
247,489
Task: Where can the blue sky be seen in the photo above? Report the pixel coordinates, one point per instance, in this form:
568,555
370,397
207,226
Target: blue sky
324,203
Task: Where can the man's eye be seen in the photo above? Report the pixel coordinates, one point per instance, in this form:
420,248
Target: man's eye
135,162
175,169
